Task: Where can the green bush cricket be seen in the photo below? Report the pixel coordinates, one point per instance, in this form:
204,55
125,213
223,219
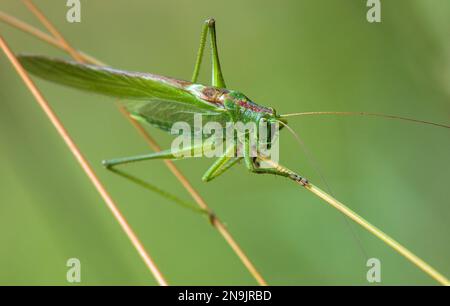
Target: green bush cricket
162,101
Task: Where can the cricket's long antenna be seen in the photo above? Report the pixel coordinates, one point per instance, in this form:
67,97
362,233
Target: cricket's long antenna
308,154
367,114
318,169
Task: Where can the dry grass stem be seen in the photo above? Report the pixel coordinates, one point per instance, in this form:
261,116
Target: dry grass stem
369,227
52,29
380,234
26,28
83,163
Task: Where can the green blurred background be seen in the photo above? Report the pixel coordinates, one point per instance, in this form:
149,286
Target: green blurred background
292,55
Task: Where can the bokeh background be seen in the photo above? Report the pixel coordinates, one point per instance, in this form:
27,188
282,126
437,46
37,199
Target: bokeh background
292,55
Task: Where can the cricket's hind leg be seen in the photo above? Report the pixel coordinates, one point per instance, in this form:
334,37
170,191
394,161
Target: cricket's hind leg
166,154
217,77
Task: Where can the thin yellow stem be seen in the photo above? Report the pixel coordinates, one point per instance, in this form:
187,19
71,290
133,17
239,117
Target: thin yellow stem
380,234
221,228
83,163
368,226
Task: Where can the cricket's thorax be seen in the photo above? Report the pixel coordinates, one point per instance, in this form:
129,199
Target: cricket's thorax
232,100
245,109
212,95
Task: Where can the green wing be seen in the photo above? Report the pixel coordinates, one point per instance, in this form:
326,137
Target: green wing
155,99
163,114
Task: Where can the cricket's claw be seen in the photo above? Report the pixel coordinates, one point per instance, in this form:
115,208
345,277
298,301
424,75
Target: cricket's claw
106,164
304,181
301,180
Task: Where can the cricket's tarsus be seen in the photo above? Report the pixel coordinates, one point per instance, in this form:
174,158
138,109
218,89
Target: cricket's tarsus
107,164
302,181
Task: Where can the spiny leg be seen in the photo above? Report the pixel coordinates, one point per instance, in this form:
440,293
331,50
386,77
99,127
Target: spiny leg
217,77
251,164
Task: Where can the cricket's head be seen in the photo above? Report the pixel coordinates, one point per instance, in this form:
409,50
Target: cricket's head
266,118
272,123
271,118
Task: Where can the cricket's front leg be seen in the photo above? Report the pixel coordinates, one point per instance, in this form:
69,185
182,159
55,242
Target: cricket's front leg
252,164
